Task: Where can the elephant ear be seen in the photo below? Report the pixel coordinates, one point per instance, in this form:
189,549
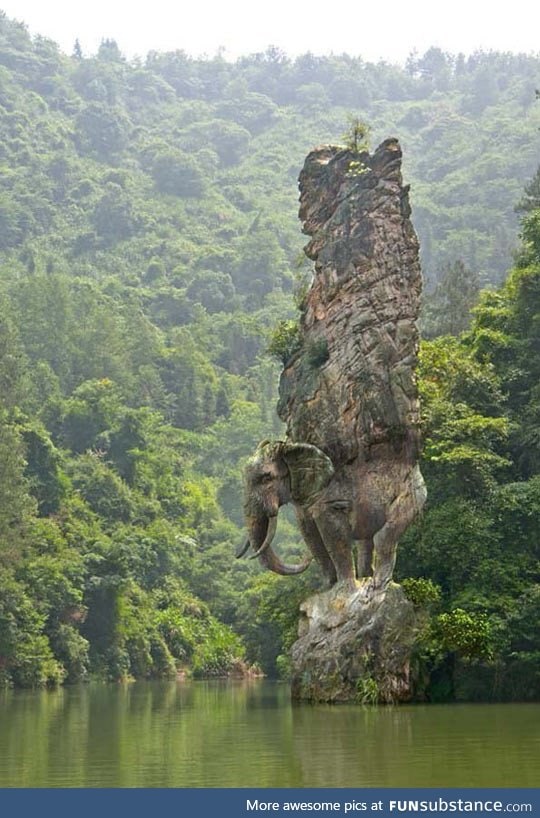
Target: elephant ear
310,471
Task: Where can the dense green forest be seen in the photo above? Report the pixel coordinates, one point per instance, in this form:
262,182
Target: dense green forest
149,244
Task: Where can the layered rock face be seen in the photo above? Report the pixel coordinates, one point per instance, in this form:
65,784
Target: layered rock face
351,391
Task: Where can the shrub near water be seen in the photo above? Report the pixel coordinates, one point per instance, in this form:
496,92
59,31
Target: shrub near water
197,639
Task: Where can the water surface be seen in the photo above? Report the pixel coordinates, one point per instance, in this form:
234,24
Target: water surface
247,734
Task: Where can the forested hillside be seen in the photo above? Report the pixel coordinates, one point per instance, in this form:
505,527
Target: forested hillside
149,244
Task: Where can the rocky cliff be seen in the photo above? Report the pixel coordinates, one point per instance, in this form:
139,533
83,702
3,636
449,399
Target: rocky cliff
350,390
355,647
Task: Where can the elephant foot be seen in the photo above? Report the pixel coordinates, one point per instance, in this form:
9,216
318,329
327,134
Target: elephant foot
328,583
380,582
348,585
367,588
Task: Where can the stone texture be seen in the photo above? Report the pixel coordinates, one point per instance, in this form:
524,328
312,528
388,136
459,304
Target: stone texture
360,312
355,646
350,390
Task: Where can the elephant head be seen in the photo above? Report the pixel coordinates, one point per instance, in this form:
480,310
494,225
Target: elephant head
278,473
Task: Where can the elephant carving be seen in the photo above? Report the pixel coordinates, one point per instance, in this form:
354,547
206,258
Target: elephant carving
332,509
348,392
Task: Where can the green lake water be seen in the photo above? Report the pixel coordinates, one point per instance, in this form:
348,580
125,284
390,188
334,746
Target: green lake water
247,734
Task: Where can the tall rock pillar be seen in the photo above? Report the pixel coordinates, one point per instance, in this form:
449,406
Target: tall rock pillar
351,391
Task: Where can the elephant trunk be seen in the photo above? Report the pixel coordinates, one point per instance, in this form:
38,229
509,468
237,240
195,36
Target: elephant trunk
262,531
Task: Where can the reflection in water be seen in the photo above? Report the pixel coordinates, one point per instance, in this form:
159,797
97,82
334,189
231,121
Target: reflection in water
243,734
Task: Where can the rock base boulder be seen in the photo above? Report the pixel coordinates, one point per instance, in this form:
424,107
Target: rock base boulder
355,646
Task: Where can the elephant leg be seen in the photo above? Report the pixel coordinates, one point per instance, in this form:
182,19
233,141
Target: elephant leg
400,515
314,541
384,558
336,533
364,567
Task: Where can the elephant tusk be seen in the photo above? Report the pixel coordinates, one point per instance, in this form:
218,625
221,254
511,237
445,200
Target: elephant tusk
242,550
289,570
264,528
270,534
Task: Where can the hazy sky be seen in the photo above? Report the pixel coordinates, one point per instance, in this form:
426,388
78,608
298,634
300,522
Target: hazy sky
387,29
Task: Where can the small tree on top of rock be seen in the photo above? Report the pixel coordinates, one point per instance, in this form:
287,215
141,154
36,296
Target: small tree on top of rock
355,137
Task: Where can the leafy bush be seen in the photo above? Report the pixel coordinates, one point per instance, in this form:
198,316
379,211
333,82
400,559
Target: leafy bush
423,593
71,649
194,637
285,341
26,657
367,691
469,635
